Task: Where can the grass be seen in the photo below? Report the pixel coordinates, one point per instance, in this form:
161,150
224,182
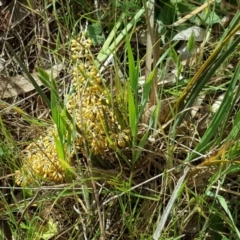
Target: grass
99,153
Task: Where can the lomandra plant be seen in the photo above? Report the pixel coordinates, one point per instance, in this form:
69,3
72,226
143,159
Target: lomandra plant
123,176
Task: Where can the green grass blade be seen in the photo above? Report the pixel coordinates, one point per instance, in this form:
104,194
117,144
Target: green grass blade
219,117
103,55
177,191
234,134
145,94
224,205
206,71
133,93
132,112
112,35
133,70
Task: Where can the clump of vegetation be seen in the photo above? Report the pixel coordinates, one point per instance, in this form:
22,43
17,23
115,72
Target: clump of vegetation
93,114
128,129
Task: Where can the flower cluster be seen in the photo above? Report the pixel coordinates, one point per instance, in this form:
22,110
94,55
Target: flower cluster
41,159
89,103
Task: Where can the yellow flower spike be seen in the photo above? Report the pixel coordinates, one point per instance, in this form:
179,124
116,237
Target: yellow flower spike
101,132
57,177
89,41
98,80
121,143
104,144
84,33
90,107
127,131
113,120
74,57
126,138
45,175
